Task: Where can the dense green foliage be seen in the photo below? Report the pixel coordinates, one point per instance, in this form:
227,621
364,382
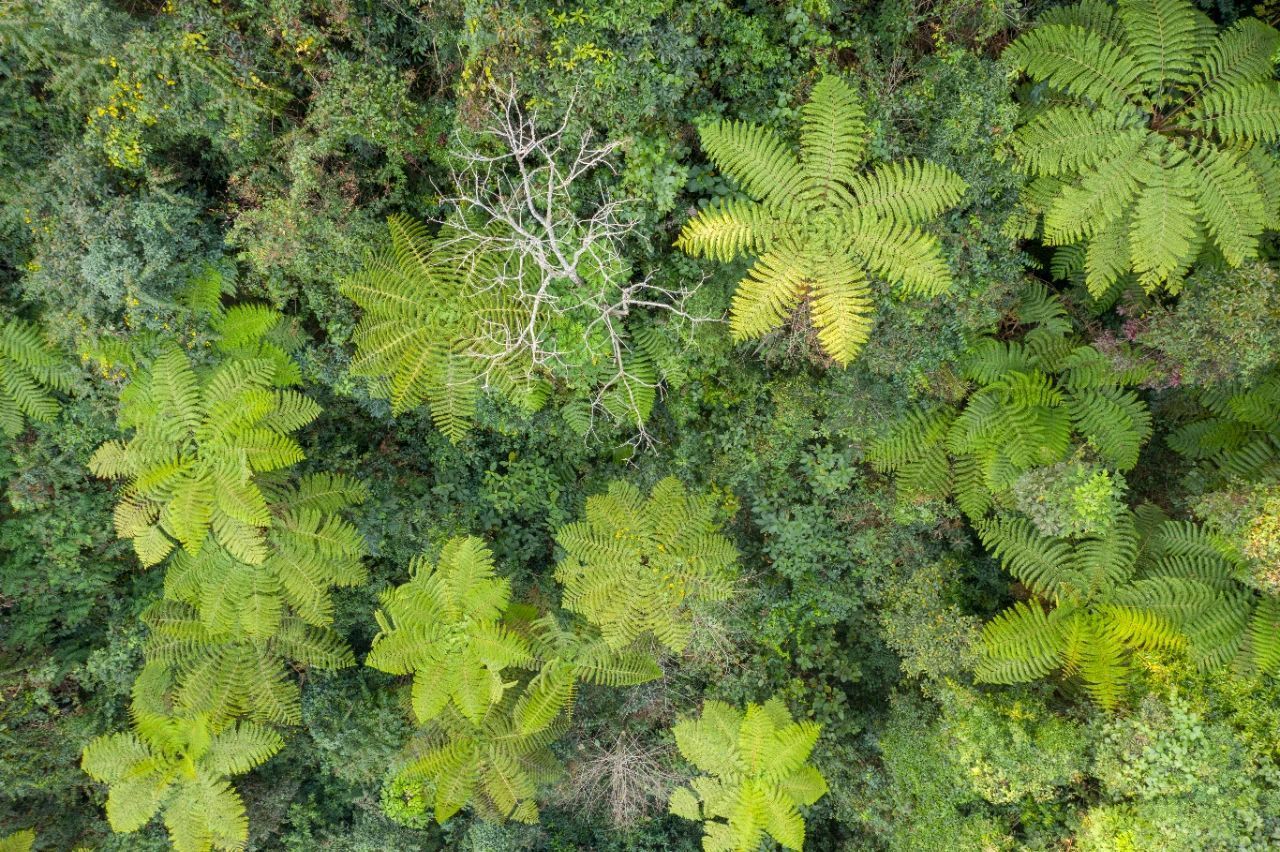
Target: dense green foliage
635,425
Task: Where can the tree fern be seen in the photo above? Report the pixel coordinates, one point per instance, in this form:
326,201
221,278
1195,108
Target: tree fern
817,226
756,775
487,764
566,657
310,548
199,440
30,370
246,597
1146,137
179,768
19,841
444,627
1238,434
1035,402
494,683
635,565
1241,626
1096,601
437,324
227,674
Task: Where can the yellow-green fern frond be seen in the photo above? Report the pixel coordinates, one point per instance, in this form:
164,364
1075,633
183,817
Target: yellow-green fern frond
19,841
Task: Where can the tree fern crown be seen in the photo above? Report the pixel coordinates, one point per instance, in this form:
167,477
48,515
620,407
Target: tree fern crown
755,775
179,768
437,327
1037,401
444,627
817,224
1146,137
201,439
1148,584
635,564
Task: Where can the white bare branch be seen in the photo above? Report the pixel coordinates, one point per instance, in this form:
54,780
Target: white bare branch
533,197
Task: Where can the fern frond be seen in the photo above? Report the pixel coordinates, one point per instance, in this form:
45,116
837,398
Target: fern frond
206,813
1082,208
1021,644
899,253
907,191
1065,139
915,449
1102,664
1264,636
237,749
1040,562
769,293
1116,422
1108,257
30,369
754,158
1165,39
1229,200
727,230
18,841
1242,113
1096,15
1164,240
841,308
833,137
1077,61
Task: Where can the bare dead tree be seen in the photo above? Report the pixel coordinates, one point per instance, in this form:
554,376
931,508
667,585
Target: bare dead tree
533,199
626,779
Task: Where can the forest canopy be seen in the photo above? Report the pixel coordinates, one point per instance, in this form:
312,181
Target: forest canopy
638,425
